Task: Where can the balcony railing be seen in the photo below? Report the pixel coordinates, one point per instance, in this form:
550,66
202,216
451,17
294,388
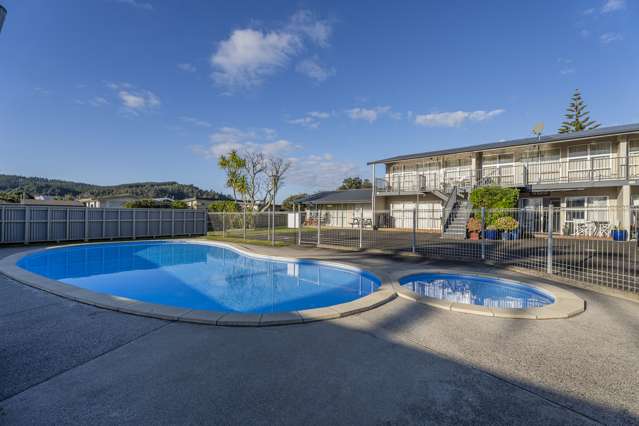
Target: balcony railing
581,170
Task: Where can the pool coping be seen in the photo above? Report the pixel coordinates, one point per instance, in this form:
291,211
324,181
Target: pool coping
566,304
384,294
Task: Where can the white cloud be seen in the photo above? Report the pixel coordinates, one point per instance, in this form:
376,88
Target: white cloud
312,68
231,135
589,11
608,38
195,122
187,67
566,66
456,118
304,22
584,33
139,100
372,114
613,6
249,55
320,172
226,139
134,100
138,4
311,119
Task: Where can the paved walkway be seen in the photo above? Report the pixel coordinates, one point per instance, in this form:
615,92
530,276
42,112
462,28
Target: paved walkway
66,363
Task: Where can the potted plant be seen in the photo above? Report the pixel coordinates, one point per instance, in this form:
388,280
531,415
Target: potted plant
491,233
619,234
474,228
508,227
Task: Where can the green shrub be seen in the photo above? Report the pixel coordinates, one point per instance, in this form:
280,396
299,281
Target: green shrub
228,206
494,197
141,204
179,204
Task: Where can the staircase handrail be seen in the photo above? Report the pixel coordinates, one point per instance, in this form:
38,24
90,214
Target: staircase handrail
448,207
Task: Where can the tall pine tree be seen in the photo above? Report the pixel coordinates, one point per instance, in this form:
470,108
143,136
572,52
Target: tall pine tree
577,118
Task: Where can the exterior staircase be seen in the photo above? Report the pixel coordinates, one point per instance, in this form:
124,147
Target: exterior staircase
455,225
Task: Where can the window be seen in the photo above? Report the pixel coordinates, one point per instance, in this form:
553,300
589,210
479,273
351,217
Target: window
589,162
587,209
541,156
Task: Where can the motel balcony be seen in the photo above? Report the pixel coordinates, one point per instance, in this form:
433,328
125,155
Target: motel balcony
563,174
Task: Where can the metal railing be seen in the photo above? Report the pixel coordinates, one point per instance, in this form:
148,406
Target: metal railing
580,244
29,224
578,170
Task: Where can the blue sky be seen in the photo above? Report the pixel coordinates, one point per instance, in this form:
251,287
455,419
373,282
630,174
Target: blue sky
113,91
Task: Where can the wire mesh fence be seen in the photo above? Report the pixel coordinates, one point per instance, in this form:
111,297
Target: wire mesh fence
592,245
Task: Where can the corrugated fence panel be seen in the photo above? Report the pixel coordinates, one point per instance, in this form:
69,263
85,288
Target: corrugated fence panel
26,224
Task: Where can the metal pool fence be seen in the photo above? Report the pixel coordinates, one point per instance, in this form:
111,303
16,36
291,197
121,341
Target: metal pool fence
591,245
29,224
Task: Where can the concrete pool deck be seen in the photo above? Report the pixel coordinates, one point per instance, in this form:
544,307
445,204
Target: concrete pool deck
63,362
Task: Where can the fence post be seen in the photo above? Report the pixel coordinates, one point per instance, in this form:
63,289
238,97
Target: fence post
133,223
2,220
273,222
68,225
481,233
299,225
173,222
361,228
223,224
27,224
414,239
550,241
319,231
244,220
86,224
205,231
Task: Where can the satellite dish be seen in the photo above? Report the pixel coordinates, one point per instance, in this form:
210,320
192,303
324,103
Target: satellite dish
539,127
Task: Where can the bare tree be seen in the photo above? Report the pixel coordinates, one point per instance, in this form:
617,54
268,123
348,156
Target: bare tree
254,173
276,169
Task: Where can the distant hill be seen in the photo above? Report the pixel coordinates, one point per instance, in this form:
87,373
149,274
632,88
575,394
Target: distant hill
67,189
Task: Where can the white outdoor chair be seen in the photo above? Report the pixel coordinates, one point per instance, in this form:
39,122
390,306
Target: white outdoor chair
603,230
581,229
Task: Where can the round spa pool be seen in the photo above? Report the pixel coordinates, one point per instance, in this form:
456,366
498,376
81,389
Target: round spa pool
201,276
477,290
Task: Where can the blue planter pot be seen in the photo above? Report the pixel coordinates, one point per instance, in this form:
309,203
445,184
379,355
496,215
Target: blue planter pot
491,234
619,235
510,235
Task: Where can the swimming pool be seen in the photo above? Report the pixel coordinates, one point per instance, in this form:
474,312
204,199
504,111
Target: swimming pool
201,276
477,290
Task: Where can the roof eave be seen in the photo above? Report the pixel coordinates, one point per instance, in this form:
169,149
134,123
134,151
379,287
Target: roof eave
516,142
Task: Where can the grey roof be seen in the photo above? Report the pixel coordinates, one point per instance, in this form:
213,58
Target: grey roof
559,137
351,196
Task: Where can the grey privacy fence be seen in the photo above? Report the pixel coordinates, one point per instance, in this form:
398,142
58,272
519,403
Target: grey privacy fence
29,224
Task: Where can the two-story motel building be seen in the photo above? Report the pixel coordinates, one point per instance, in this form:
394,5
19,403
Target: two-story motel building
593,174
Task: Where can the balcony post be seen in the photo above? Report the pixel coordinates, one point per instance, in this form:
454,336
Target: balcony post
549,248
373,195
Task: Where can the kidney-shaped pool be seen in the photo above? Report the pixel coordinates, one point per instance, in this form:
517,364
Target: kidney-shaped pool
201,276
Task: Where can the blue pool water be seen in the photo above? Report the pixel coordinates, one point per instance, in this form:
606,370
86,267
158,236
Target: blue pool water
491,292
200,276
